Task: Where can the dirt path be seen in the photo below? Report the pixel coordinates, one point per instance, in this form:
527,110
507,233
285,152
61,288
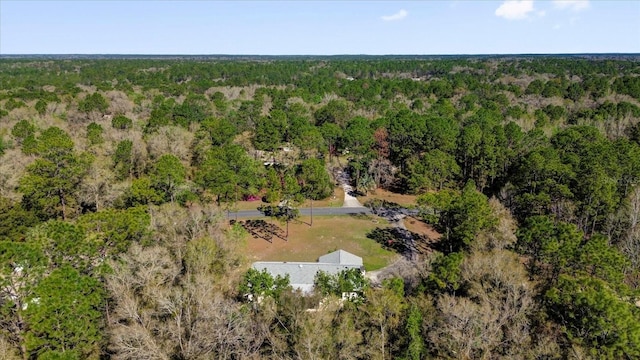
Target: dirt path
343,179
404,266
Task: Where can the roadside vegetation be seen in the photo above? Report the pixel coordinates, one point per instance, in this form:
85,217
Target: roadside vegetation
118,177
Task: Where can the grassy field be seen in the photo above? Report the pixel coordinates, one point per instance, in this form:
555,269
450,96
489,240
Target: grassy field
328,233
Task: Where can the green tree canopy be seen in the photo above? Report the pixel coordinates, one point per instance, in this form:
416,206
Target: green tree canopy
558,247
123,159
314,179
93,102
114,230
141,192
270,131
64,243
257,284
121,122
41,107
346,281
594,316
445,273
167,175
65,315
22,129
332,135
459,217
14,220
94,133
228,172
434,170
335,112
358,136
548,242
55,144
51,184
22,266
220,131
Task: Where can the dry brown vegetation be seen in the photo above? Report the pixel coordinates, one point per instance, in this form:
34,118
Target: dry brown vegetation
392,197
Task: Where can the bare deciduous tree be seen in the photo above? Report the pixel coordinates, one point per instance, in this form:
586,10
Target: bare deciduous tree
7,350
98,187
630,242
493,318
167,300
314,339
171,140
503,234
138,281
12,168
383,172
119,102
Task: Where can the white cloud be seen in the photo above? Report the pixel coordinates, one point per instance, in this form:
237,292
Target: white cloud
515,9
574,5
397,16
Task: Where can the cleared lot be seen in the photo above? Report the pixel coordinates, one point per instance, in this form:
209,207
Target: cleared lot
328,233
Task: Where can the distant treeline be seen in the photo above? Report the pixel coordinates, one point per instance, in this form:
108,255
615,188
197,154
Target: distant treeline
116,171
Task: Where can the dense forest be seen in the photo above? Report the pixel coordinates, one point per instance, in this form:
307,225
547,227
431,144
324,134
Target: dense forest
116,176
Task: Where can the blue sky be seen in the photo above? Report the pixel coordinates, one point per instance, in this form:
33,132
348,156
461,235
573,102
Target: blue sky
319,27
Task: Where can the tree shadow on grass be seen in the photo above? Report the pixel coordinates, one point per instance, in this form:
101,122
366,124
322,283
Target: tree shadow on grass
361,216
262,229
405,242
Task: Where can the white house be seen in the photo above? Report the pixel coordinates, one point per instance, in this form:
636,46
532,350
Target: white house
302,274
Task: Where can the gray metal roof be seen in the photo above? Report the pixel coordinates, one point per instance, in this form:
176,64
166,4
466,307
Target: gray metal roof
341,257
302,274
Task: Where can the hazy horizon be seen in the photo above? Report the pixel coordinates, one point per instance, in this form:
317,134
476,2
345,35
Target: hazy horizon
318,56
319,28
